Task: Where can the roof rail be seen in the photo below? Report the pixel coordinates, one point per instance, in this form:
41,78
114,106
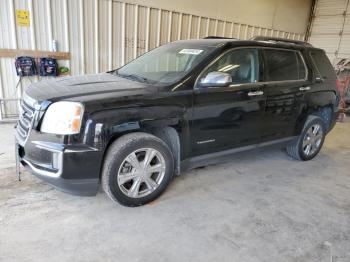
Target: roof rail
217,37
278,39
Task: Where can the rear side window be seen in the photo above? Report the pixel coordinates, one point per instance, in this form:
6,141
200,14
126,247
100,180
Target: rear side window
324,68
281,65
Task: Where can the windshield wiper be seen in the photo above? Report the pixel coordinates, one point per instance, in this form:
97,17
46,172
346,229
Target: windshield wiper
113,72
136,77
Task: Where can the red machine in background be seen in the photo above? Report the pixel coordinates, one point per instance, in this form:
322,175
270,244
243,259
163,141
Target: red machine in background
342,69
343,88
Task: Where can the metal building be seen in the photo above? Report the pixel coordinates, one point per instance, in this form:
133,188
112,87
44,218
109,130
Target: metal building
330,28
101,34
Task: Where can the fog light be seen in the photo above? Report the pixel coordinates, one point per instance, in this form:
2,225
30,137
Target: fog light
55,160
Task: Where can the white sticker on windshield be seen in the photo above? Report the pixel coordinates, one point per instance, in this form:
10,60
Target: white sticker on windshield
191,51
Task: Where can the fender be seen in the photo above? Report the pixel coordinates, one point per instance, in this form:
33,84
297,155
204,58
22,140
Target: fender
103,127
322,99
322,103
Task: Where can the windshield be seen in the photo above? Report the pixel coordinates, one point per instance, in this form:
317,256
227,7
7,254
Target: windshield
166,64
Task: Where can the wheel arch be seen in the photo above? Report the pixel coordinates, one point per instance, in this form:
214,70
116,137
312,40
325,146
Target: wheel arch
322,104
166,121
166,133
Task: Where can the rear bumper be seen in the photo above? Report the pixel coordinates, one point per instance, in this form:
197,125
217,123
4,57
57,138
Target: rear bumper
71,169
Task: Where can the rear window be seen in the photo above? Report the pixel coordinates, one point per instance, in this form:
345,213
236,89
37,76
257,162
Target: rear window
281,65
324,68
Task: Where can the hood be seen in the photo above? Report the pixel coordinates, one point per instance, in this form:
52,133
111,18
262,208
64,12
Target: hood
87,87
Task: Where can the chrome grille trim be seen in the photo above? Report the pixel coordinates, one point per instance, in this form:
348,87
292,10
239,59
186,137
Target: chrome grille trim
27,109
21,131
25,121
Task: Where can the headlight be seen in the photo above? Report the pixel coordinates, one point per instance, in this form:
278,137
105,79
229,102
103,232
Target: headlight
63,118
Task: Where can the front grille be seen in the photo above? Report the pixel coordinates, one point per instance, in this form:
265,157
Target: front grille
25,121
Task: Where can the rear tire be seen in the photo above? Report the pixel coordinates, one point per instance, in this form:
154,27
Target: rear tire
137,169
309,143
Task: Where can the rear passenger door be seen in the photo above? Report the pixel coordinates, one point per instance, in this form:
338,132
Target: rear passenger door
285,77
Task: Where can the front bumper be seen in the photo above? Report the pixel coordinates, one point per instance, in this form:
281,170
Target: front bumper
70,168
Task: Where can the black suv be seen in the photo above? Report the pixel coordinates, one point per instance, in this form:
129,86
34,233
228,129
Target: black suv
183,105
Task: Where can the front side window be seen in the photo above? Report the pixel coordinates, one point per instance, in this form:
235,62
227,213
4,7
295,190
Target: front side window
166,64
241,64
282,65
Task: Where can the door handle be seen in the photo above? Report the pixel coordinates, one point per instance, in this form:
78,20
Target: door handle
256,93
304,88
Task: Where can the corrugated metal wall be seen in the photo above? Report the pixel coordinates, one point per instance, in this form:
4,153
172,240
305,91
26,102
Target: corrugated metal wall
101,34
331,28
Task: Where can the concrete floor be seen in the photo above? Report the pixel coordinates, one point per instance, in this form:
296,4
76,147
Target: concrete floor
262,206
7,149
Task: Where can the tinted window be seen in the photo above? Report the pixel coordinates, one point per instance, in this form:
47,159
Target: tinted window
323,66
281,65
166,64
241,64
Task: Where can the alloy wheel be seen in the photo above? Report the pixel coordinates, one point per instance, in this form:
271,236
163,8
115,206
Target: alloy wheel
312,139
141,172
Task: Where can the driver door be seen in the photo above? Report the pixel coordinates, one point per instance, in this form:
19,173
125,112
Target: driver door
226,117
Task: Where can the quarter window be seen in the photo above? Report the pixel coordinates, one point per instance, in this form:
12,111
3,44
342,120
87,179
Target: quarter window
241,64
281,65
324,67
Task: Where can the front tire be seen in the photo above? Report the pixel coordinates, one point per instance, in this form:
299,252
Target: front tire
309,143
137,169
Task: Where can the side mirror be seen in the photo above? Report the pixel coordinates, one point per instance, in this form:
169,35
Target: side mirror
216,79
